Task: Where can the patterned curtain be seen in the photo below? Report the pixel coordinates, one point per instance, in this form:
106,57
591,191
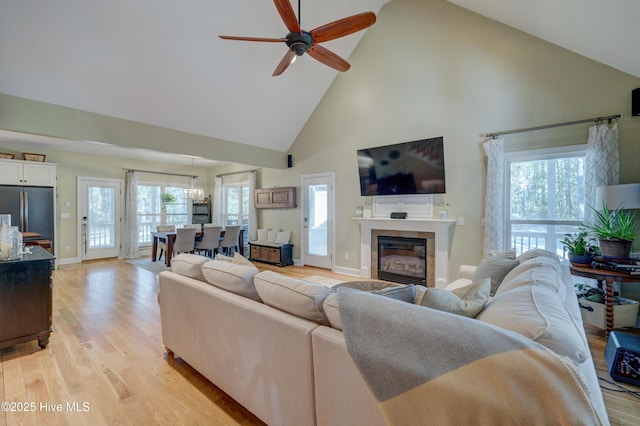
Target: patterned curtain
129,232
602,164
494,201
253,212
217,202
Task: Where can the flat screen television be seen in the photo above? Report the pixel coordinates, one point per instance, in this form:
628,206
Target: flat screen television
415,167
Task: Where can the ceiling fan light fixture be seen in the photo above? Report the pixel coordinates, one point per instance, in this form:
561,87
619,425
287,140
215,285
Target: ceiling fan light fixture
193,193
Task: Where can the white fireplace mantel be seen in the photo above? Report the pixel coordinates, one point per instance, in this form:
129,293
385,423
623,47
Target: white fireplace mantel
442,228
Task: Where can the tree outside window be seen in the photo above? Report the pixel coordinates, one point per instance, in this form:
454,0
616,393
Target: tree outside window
152,211
546,197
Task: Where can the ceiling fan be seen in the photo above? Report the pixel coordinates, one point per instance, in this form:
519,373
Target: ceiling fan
299,41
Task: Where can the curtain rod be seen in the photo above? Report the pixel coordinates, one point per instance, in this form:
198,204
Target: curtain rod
549,126
236,173
161,173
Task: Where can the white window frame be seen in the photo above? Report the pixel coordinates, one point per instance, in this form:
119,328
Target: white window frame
244,186
163,214
535,155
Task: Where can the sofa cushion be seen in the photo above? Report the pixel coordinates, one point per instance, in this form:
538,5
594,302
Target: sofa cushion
537,312
331,309
530,254
232,277
366,285
189,265
496,268
301,298
534,271
467,301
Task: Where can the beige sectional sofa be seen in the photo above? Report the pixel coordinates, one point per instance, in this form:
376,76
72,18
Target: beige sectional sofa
267,340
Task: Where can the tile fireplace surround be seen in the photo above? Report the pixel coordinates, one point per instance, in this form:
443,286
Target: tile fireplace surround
437,232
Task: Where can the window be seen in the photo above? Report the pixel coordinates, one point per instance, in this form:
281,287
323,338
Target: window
153,212
545,197
236,207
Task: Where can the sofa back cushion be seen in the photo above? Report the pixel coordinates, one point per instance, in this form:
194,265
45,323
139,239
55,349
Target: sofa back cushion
189,265
232,277
300,298
537,312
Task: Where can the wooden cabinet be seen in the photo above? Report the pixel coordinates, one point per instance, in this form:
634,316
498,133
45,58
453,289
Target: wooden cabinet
276,198
26,298
281,255
27,173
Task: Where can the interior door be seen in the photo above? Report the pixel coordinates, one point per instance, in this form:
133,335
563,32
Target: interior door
100,217
317,220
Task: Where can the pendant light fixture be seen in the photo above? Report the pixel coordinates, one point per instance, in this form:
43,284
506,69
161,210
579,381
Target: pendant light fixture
192,192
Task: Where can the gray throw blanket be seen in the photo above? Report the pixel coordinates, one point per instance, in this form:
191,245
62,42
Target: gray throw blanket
427,367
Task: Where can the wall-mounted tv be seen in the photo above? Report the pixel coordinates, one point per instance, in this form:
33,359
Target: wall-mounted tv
415,167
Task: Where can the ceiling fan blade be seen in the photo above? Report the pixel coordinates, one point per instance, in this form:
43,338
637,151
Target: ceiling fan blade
288,15
343,27
328,58
284,63
270,40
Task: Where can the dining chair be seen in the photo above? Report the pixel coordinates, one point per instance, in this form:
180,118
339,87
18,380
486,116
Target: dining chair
192,225
210,240
185,240
230,240
162,245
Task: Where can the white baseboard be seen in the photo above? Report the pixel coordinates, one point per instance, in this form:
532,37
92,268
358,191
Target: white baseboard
346,271
68,261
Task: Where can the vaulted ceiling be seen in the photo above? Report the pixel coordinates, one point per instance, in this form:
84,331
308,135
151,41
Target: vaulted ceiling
161,62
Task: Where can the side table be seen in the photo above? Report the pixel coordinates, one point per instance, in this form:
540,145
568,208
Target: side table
606,277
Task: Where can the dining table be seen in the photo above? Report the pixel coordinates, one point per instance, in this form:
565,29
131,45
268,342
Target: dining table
169,238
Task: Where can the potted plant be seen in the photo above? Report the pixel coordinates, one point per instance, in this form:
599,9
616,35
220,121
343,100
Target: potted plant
615,229
167,198
581,247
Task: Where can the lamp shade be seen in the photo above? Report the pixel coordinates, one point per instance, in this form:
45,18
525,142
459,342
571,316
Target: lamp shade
613,196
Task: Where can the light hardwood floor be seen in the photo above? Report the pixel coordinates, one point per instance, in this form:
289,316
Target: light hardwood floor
105,363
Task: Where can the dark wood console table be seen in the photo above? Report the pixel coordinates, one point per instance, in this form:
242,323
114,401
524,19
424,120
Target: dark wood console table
26,298
607,278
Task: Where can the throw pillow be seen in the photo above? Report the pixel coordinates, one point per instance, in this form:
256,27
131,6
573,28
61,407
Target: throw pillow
272,235
371,285
224,258
239,259
404,293
507,254
495,268
283,237
467,301
263,234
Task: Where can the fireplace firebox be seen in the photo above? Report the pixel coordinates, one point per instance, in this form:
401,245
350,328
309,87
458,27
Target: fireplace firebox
402,260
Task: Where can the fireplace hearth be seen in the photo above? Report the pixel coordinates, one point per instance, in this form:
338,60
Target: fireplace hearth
402,260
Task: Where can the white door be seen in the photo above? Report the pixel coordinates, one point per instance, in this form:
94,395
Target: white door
317,220
100,211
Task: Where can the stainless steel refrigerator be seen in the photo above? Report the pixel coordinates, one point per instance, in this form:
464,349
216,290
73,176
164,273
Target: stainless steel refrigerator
31,209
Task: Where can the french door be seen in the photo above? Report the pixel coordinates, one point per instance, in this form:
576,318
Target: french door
317,221
100,213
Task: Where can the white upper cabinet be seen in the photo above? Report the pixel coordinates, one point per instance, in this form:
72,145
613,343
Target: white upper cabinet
27,173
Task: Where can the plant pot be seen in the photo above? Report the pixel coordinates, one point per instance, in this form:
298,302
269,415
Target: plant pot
580,259
615,247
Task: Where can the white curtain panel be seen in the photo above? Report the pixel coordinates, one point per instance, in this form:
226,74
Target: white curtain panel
129,233
253,212
217,202
494,200
602,164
